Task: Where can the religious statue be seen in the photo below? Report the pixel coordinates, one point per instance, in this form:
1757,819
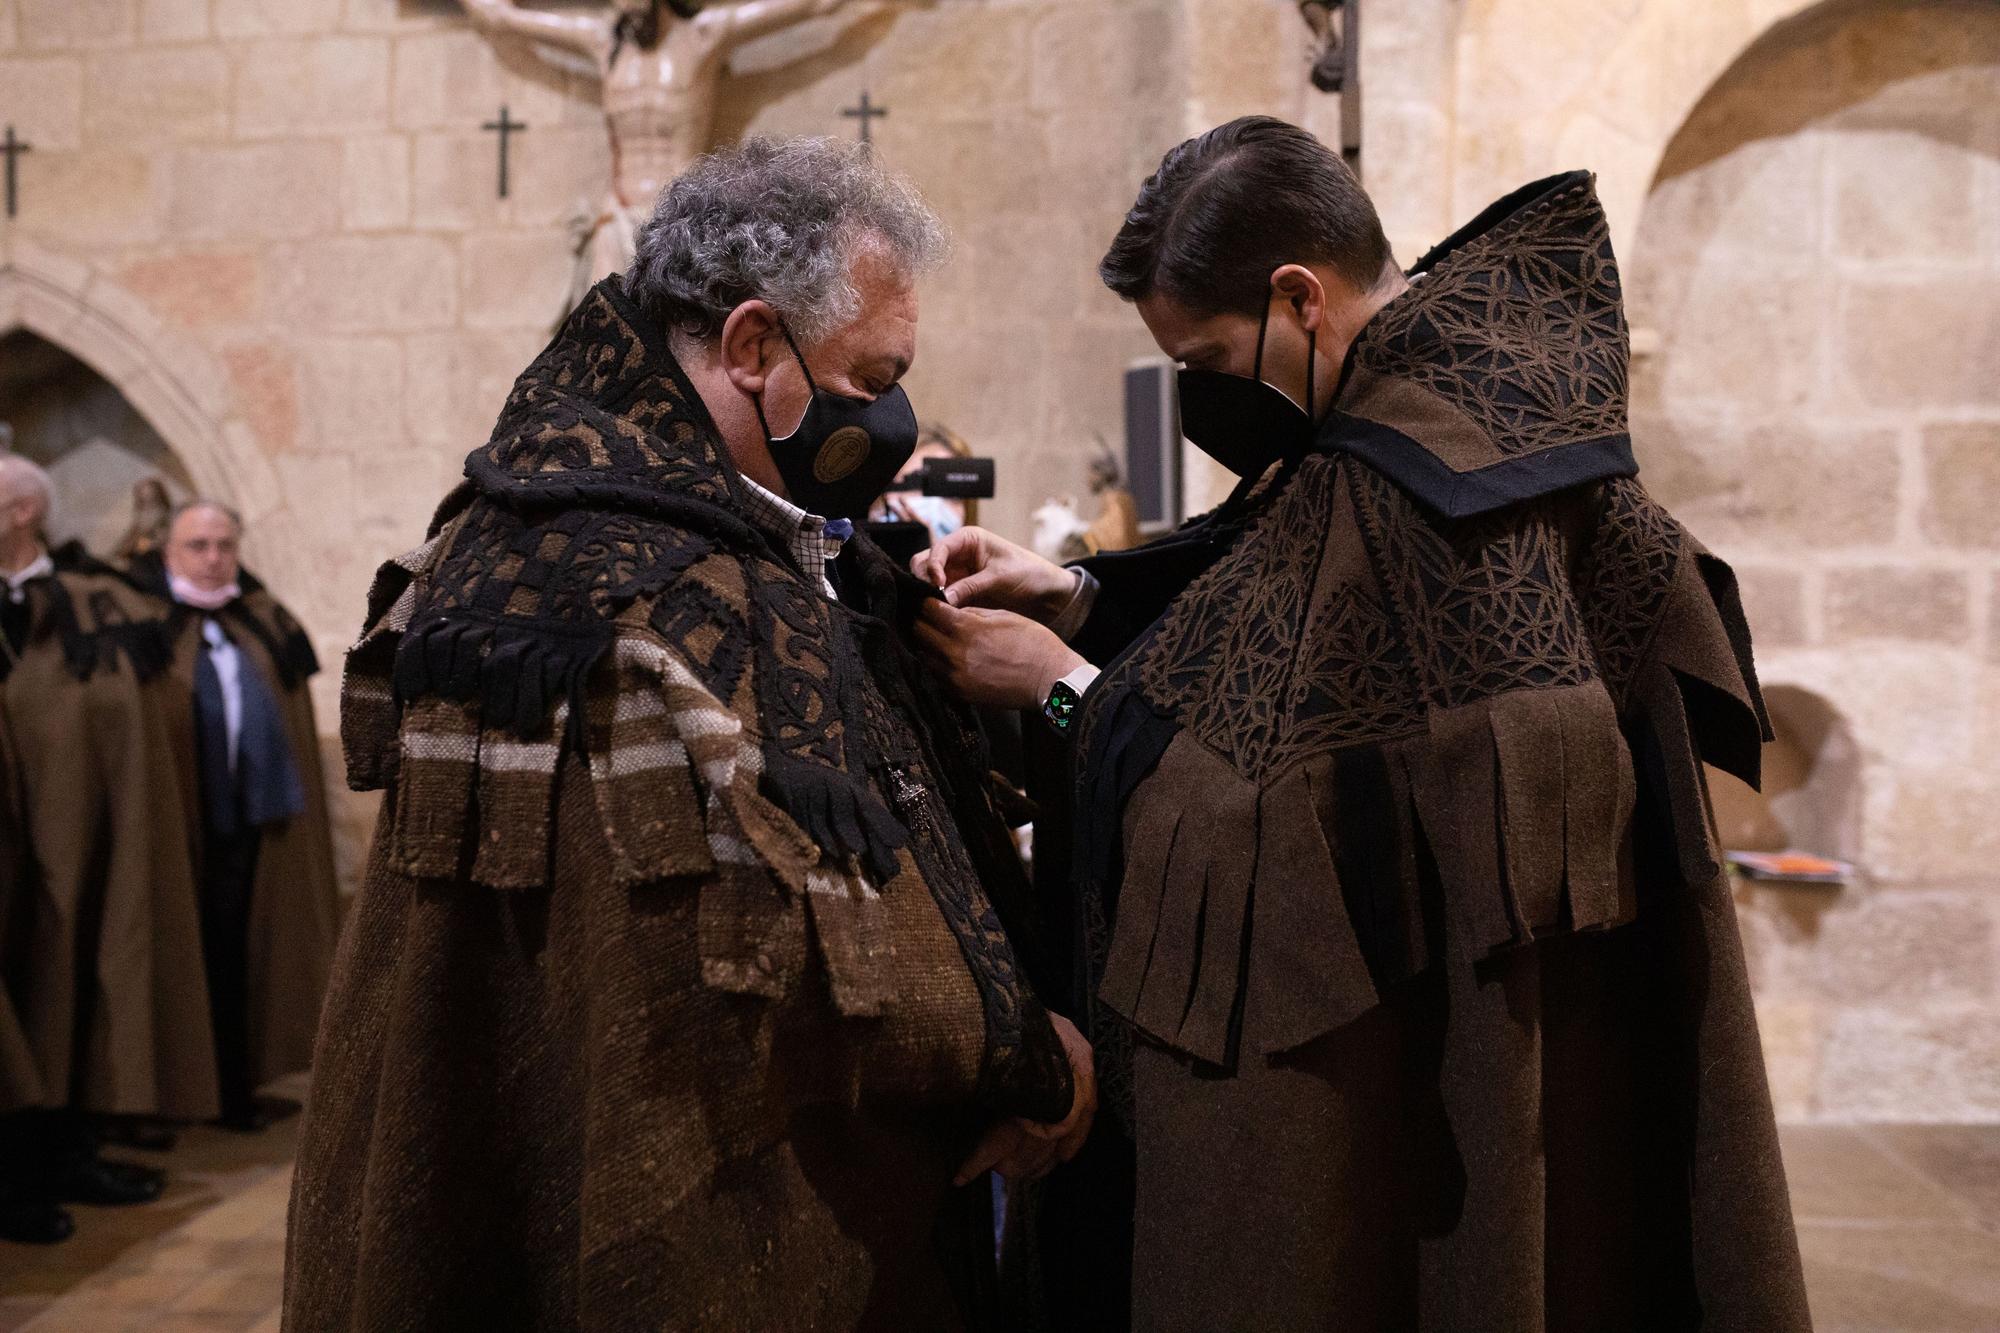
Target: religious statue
1335,26
1060,532
1116,527
152,512
660,63
1329,69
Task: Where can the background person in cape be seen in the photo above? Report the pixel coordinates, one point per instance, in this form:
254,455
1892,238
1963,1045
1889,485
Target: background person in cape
100,953
679,992
1415,974
246,751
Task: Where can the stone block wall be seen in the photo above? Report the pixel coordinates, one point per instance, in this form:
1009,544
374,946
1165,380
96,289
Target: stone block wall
1818,267
273,226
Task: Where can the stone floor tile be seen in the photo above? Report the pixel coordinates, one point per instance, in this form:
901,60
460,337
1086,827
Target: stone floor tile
1964,1160
1922,1277
132,1291
246,1291
15,1312
67,1318
211,1322
1836,1174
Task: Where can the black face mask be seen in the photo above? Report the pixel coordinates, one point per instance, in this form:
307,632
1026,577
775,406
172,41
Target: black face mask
1241,422
845,452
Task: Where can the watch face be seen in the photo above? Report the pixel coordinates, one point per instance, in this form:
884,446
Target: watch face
1060,709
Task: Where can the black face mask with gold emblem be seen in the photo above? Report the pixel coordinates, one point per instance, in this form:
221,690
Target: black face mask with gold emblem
845,452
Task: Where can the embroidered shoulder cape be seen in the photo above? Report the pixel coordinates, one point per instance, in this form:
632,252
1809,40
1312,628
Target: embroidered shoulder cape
1392,755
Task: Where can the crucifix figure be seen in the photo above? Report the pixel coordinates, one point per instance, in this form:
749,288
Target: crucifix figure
660,63
1336,30
867,113
506,125
13,148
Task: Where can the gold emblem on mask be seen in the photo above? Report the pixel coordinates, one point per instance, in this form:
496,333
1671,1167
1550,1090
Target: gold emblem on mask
844,451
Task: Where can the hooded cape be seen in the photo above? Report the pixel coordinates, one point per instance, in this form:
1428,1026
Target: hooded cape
295,901
100,947
678,984
1417,974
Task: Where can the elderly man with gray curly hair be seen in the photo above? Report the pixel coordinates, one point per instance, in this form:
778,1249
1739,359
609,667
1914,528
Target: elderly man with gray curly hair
682,990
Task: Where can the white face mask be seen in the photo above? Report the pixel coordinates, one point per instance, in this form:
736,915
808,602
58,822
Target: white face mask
203,599
935,512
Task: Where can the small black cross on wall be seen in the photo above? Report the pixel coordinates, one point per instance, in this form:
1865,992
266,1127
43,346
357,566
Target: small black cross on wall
867,113
506,126
13,148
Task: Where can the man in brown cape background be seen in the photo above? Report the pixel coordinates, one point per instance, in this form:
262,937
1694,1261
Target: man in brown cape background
100,949
1415,976
680,989
246,753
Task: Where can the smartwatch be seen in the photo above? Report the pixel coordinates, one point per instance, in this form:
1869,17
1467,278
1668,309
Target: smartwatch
1065,695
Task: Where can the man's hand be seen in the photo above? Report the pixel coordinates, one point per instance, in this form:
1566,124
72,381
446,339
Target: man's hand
976,568
1027,1149
994,658
1068,1136
1011,1150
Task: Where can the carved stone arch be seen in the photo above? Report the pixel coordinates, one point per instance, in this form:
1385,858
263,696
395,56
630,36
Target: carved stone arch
168,378
1548,85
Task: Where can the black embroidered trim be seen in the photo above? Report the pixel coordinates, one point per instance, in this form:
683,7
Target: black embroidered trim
111,633
936,774
1456,494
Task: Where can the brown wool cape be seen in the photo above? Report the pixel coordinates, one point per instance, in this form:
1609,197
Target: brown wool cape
678,984
294,903
100,947
20,1080
1418,982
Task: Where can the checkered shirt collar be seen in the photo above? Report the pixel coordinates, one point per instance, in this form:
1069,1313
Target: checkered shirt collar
806,534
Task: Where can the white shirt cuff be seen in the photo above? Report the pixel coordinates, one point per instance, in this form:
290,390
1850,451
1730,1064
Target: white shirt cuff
1070,619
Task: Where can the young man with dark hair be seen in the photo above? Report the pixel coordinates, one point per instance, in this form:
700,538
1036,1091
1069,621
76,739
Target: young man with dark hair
1412,969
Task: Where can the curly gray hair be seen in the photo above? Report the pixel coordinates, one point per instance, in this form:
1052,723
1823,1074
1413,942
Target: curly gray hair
780,220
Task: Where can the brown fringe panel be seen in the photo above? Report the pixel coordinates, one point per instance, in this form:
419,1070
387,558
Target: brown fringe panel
1237,927
435,787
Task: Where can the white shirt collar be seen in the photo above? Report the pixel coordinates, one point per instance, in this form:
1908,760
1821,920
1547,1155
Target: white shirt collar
40,567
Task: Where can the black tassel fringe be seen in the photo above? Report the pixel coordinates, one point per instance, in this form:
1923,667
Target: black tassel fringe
516,673
837,813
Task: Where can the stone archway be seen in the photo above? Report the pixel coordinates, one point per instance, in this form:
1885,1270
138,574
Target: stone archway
171,381
1813,261
1603,84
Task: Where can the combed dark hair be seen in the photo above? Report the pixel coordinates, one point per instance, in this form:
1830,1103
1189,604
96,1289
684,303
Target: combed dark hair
1228,207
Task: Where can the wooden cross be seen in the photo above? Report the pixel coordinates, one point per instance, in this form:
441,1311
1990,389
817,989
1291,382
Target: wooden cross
13,148
866,113
506,125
